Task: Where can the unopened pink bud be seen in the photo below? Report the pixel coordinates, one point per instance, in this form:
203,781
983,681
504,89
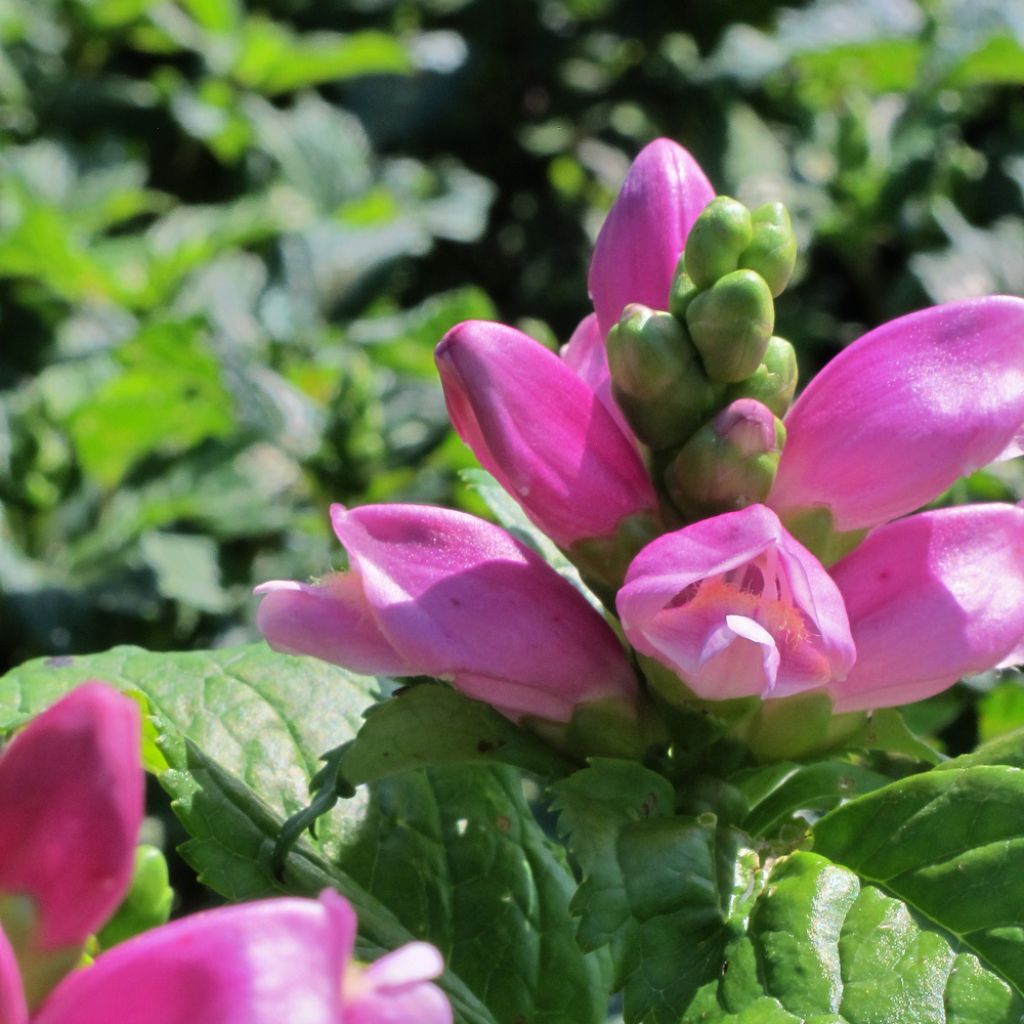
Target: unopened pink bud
71,803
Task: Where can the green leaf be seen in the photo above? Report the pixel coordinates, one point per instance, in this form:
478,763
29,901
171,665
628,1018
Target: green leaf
264,717
168,397
886,730
456,852
426,725
1001,710
776,794
233,838
823,945
949,844
659,889
273,60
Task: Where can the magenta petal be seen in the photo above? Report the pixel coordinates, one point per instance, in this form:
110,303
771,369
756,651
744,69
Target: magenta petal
331,621
458,597
584,353
540,430
396,989
258,963
932,598
641,240
71,789
736,607
893,420
12,999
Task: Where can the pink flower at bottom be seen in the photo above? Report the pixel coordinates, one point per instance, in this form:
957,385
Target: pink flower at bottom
284,960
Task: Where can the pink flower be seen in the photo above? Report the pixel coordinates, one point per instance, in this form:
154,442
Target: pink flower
258,963
736,607
905,411
70,808
437,592
542,432
71,802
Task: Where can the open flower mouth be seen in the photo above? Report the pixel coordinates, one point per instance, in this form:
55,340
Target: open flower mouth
771,624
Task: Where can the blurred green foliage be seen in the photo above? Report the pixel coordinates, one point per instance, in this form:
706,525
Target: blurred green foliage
230,235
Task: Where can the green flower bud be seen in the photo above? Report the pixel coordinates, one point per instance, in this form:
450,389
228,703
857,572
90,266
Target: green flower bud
146,904
729,463
731,323
682,292
716,240
773,383
657,377
772,249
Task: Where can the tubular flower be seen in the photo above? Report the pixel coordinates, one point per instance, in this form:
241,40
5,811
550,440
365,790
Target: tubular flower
438,592
70,807
903,412
542,432
736,607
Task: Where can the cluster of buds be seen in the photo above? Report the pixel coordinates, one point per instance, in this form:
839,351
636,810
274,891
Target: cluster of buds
705,384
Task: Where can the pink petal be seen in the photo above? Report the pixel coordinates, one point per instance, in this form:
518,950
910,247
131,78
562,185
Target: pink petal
736,607
331,621
458,597
71,803
540,430
259,963
932,598
584,353
416,962
897,417
12,999
639,245
416,1004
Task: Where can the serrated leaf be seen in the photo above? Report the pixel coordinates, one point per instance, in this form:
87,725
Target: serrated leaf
456,852
233,838
263,717
659,889
426,725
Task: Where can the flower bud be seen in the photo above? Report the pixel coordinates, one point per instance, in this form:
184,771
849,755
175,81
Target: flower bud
682,292
731,323
729,463
716,240
657,377
773,383
772,249
542,432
